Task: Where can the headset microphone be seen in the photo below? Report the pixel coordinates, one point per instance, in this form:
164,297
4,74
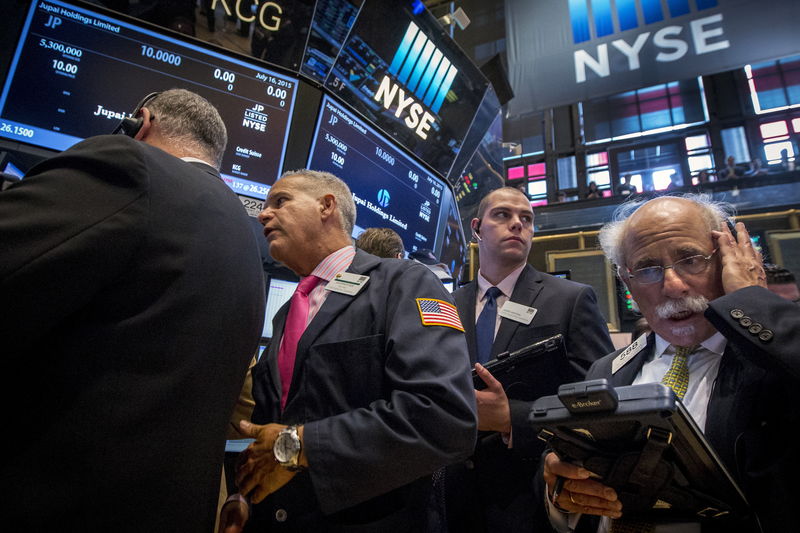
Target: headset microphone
475,231
131,125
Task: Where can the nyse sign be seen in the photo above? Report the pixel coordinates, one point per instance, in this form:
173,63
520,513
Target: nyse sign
706,35
268,14
567,51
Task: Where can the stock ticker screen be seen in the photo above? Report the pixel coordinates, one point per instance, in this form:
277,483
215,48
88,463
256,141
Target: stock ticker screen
78,70
390,189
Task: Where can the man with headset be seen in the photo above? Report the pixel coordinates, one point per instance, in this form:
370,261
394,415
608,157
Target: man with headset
492,491
132,296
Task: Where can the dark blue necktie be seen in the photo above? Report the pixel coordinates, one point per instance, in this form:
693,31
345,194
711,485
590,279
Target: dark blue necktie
484,327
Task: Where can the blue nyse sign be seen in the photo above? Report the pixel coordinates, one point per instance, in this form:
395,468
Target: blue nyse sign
566,51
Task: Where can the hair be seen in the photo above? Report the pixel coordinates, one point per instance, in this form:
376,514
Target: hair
485,200
612,233
383,242
777,275
187,119
321,183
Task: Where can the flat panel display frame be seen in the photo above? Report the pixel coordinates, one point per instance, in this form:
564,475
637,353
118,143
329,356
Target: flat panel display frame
79,68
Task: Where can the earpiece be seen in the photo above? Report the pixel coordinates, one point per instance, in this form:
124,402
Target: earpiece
131,125
476,230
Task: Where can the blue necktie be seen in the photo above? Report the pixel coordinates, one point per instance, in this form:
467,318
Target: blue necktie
484,327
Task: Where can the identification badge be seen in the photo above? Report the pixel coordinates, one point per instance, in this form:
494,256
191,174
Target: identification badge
347,283
518,312
628,353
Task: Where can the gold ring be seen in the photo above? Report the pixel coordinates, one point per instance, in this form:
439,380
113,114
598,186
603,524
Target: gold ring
572,500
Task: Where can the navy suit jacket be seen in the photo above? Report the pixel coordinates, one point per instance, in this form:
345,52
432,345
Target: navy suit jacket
132,296
385,401
752,418
492,491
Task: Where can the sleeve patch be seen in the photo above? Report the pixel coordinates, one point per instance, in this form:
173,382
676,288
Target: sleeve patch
438,313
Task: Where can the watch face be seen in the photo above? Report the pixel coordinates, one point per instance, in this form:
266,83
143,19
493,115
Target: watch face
286,447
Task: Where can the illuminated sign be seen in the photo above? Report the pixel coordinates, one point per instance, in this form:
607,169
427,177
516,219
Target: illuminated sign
425,72
705,34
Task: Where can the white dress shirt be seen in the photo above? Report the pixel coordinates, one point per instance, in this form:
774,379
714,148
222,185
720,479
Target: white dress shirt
506,286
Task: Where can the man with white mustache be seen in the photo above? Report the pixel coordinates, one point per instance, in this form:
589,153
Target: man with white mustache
699,286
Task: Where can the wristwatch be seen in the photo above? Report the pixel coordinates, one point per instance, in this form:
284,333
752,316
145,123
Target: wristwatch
287,448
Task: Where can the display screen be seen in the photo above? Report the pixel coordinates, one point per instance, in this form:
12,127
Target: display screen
77,71
410,79
389,187
279,292
329,28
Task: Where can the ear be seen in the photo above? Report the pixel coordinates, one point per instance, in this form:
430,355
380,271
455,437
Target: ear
475,225
327,206
147,123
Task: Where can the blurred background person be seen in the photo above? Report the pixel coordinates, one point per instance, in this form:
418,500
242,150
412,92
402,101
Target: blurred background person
381,242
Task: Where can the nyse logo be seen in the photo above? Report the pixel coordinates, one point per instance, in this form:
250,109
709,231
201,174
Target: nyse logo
255,118
425,72
672,42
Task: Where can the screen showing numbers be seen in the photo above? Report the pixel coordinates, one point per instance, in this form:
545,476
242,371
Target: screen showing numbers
78,71
389,187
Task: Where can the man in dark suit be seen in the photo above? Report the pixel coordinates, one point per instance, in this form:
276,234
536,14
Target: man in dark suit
132,298
492,491
701,287
365,403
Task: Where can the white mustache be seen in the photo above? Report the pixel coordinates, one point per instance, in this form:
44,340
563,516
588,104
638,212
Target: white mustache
695,304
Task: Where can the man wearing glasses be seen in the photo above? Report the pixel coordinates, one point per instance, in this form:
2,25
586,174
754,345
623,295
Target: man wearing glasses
703,292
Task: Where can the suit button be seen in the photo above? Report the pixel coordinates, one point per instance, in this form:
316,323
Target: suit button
755,329
746,321
469,464
766,335
281,515
737,314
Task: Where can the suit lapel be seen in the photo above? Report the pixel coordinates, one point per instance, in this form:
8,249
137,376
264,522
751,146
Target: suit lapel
526,290
334,305
465,303
272,352
628,373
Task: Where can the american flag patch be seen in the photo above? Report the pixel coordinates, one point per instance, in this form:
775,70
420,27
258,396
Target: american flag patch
438,313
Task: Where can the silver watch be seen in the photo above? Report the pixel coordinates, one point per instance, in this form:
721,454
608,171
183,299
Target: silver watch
287,448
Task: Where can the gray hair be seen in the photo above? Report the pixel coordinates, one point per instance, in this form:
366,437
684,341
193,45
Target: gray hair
326,183
612,234
187,119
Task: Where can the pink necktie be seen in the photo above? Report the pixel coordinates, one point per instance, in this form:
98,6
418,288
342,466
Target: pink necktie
295,325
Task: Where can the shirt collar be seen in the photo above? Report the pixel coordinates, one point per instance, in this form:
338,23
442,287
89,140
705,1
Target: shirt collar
196,160
715,343
506,286
338,261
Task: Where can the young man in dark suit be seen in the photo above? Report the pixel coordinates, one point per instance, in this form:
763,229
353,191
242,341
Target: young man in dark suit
700,287
492,490
132,296
364,391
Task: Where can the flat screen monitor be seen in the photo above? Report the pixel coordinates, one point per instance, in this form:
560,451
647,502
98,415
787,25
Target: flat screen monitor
279,291
565,274
401,70
78,69
389,187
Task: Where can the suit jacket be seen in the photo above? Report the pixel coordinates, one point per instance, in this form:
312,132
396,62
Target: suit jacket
385,401
492,491
751,412
132,297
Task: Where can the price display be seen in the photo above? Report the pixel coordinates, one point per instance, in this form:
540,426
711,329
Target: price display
77,71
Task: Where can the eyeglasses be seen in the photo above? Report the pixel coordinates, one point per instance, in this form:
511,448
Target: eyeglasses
688,266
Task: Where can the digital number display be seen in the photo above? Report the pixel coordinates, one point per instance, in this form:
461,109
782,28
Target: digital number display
390,188
76,72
